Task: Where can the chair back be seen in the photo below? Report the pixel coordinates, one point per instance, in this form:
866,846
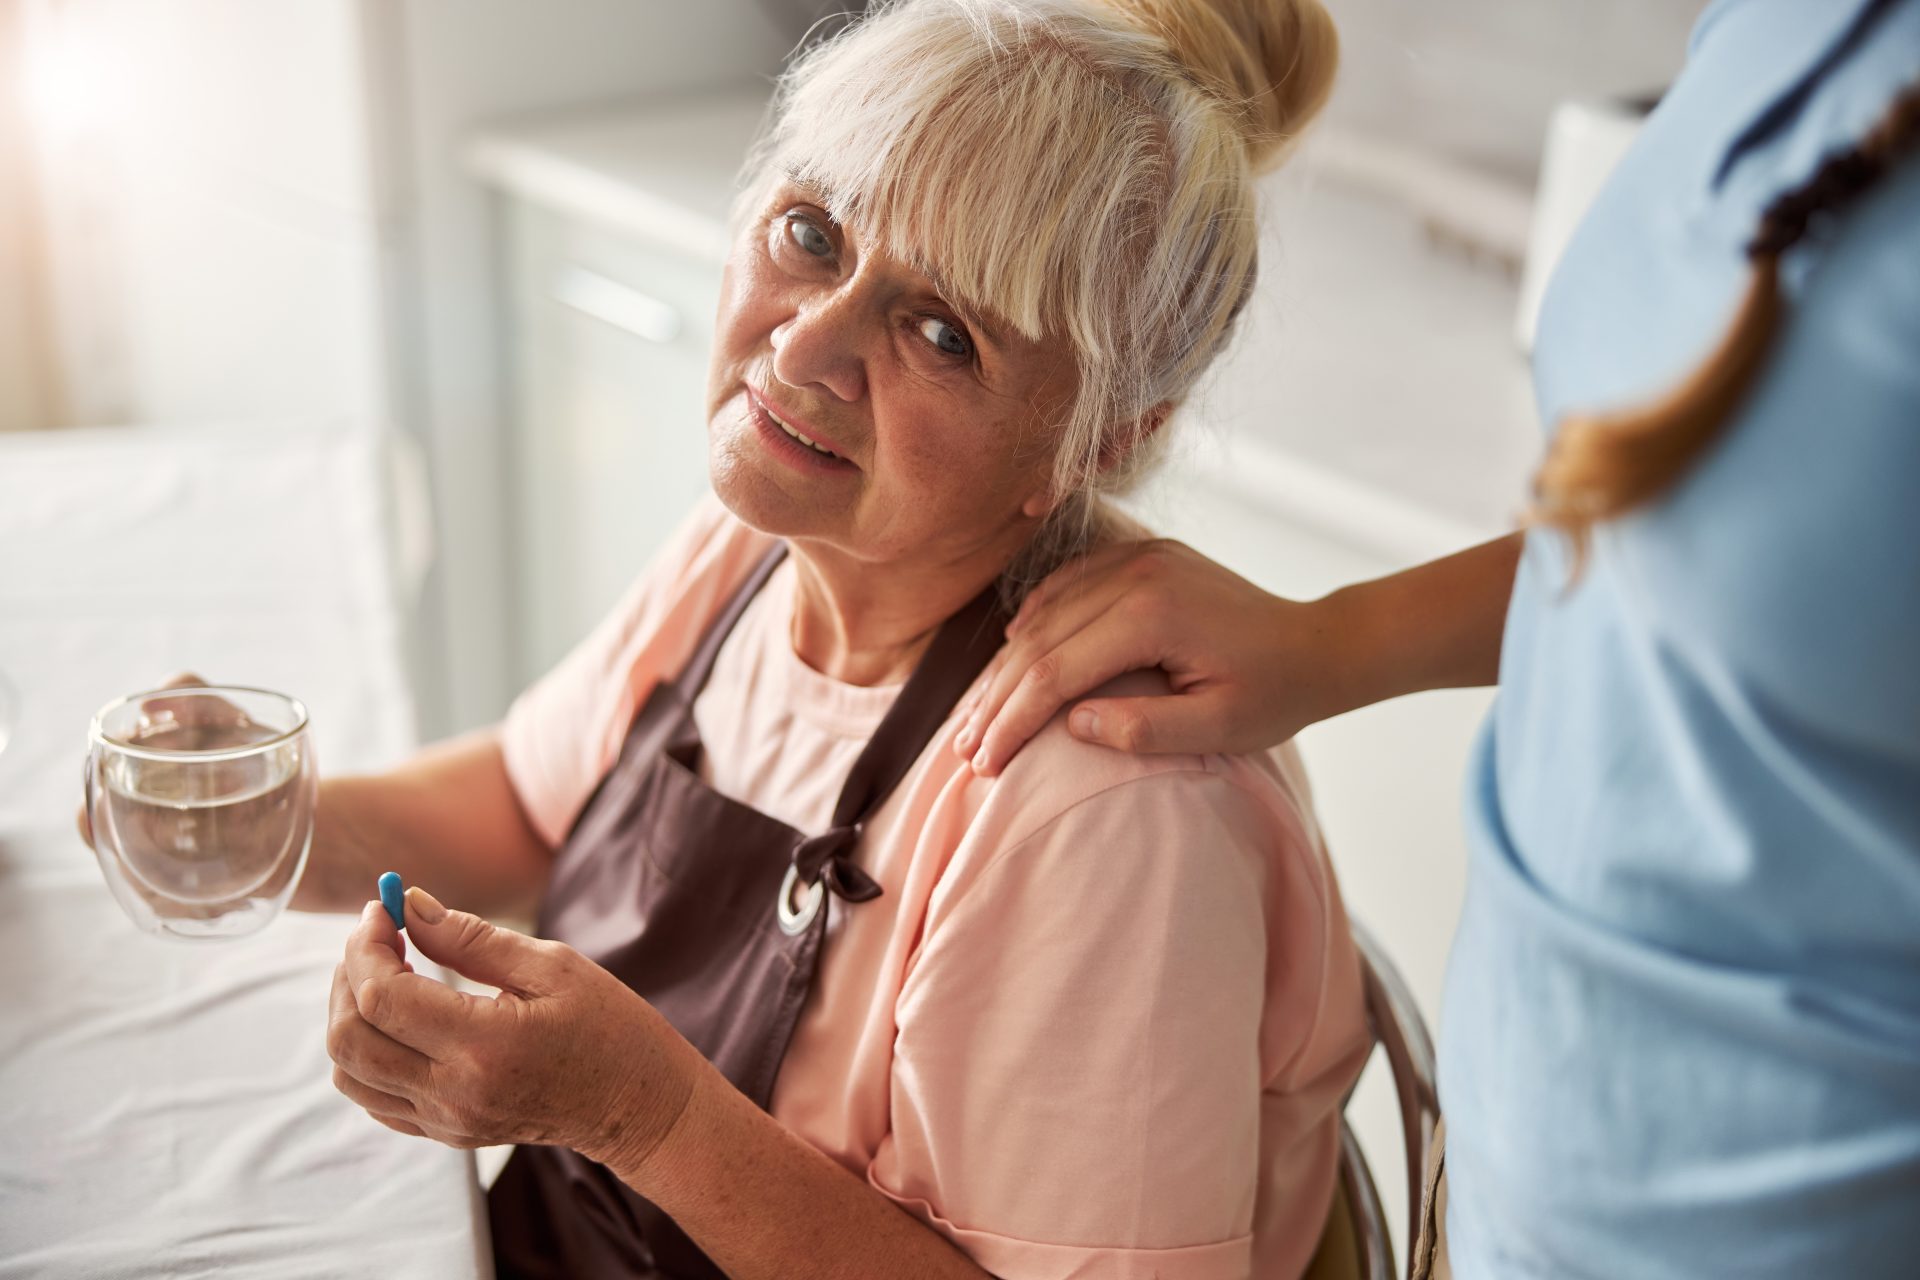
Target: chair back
1360,1244
1356,1244
1402,1034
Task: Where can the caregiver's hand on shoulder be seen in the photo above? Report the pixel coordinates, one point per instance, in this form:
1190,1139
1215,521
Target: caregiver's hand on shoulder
1248,669
566,1054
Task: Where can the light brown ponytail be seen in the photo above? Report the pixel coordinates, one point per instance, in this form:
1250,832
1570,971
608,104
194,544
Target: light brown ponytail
1604,465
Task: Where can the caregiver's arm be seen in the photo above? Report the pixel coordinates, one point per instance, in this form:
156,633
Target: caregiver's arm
1248,669
447,817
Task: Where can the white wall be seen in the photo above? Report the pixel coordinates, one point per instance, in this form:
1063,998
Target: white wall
23,402
256,211
1476,78
212,242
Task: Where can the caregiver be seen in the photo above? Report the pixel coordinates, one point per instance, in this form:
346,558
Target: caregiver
1682,1022
813,998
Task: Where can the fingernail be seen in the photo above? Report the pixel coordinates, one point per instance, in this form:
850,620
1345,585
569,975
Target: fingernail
1084,723
980,761
965,741
425,905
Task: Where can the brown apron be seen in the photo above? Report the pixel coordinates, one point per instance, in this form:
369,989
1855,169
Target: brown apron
714,912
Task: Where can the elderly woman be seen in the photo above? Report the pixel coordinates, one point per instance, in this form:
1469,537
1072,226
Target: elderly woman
811,997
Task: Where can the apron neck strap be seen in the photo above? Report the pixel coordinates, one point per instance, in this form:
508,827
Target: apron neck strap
960,651
693,677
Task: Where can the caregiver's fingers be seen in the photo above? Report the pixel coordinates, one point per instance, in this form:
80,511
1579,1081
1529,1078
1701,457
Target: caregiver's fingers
1083,573
1140,578
423,1014
1189,722
367,1053
1025,652
1109,646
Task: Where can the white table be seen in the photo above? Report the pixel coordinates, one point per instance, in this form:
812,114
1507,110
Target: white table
165,1106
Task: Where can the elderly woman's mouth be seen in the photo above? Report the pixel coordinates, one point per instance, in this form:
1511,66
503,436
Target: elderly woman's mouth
793,441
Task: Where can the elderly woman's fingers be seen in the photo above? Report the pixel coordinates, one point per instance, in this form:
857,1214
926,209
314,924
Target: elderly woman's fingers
375,1102
423,1014
364,1051
199,710
375,948
181,710
1096,653
402,1126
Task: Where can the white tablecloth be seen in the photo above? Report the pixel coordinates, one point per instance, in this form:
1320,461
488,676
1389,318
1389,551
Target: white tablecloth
165,1106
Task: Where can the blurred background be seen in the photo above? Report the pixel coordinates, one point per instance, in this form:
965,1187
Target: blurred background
448,266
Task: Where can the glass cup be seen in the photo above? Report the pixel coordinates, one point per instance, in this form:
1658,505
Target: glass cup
201,801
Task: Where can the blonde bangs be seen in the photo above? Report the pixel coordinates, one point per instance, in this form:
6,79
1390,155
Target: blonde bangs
1057,169
961,144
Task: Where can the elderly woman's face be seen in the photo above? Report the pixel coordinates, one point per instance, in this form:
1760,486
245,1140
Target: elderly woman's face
931,434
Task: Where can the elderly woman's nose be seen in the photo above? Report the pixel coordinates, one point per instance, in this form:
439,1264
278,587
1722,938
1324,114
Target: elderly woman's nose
820,346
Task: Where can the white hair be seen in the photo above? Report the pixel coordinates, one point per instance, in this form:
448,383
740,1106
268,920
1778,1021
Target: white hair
1070,168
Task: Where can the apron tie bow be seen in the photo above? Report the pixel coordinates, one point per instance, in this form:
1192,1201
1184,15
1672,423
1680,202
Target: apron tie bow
823,857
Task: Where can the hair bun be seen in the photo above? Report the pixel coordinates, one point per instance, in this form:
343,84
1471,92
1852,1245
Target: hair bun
1272,61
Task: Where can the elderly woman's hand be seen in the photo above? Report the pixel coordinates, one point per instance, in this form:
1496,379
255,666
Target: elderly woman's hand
566,1054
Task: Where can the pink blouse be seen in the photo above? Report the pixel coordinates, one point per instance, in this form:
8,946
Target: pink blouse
1103,1017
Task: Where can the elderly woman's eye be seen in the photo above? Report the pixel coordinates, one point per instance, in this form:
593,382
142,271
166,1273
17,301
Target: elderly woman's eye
808,235
946,337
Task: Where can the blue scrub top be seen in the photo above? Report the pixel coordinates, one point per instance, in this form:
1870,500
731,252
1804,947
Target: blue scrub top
1682,1021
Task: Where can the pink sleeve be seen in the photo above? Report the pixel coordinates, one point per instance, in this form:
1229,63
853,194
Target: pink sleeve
563,733
1086,1034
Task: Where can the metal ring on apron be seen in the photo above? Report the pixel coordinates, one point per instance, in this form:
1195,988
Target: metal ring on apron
794,920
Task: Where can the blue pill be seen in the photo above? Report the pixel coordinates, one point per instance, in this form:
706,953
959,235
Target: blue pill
392,897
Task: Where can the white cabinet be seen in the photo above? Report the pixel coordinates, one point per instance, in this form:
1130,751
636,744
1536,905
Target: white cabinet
609,345
614,235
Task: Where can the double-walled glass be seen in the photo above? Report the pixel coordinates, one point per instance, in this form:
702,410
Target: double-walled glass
201,802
